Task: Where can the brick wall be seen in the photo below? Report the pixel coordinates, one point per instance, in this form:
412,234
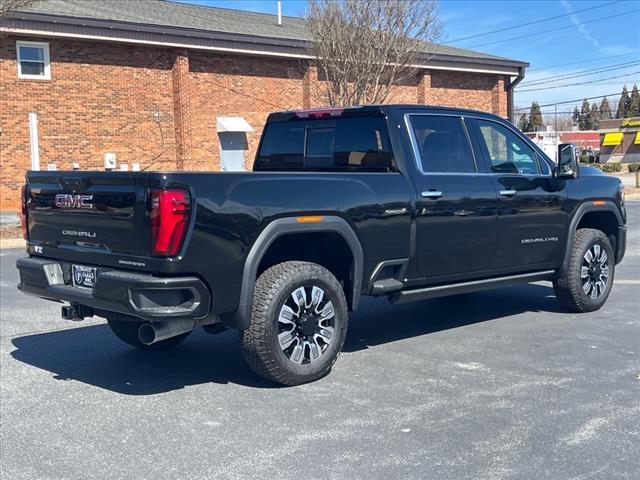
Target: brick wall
102,98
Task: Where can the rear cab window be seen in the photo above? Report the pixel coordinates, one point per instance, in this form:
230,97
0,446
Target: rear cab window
358,143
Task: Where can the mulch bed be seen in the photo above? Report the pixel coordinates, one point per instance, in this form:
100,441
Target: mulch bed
10,231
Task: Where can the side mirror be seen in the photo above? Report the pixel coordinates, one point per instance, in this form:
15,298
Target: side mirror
568,166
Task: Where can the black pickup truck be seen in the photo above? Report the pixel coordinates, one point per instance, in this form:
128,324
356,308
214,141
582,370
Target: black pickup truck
409,202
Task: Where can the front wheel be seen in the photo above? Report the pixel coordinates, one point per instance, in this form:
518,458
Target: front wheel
586,284
298,323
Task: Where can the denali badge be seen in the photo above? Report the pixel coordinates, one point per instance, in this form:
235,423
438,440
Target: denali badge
65,200
77,233
539,240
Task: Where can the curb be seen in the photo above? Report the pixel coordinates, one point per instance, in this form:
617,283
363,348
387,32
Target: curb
12,243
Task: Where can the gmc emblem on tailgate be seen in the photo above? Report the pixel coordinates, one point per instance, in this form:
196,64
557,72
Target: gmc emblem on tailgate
65,200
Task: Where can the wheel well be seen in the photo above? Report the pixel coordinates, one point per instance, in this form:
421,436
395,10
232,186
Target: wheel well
606,222
328,249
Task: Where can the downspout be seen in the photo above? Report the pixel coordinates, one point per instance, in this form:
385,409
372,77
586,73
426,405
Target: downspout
513,84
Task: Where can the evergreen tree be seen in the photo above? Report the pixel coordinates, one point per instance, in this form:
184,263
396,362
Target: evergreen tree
605,110
576,116
523,123
623,105
634,102
535,117
595,116
585,116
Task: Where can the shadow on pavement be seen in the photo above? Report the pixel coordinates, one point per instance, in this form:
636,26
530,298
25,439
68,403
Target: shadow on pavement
94,356
382,322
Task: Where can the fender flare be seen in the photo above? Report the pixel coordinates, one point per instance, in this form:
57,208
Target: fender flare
581,211
284,226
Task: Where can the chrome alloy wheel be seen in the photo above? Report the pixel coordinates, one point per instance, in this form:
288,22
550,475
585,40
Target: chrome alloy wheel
594,272
306,325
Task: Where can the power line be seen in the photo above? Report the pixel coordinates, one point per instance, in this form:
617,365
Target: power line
571,101
533,22
582,62
579,73
554,29
549,87
559,112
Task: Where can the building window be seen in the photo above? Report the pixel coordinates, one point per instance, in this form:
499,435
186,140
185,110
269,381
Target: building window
33,60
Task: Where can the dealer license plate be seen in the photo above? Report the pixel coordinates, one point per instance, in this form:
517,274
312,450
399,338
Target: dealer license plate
83,276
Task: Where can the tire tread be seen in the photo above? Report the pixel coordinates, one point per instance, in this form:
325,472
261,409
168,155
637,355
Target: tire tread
268,287
567,289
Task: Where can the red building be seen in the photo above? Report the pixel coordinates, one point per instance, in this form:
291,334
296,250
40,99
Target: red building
588,139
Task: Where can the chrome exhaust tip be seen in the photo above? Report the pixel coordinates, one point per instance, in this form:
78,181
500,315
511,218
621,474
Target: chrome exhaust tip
150,333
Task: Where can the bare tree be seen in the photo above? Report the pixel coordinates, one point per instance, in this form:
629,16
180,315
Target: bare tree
562,122
363,47
7,6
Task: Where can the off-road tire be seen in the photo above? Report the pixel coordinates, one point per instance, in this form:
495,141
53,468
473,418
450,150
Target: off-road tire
127,331
260,346
568,287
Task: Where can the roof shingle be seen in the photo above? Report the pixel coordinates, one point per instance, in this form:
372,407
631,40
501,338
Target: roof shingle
197,17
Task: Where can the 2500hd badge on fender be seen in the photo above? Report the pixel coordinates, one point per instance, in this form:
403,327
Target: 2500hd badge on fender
409,202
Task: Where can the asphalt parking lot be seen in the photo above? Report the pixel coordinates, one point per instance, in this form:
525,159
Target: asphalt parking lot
493,385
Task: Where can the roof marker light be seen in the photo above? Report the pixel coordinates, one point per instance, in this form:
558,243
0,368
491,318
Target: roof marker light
319,113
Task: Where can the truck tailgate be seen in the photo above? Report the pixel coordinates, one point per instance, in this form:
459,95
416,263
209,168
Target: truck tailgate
104,210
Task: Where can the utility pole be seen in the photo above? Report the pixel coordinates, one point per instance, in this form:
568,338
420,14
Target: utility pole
555,118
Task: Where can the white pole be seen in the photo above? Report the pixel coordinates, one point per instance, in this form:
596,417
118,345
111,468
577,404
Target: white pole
279,12
33,137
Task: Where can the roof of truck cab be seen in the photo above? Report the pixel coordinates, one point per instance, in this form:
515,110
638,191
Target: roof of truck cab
376,108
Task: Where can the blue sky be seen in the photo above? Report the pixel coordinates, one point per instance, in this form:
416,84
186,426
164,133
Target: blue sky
585,39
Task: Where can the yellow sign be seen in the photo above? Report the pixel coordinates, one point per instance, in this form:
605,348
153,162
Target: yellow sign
637,140
631,122
611,139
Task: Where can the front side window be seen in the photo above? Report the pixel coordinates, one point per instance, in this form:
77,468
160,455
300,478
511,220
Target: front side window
33,60
507,152
442,144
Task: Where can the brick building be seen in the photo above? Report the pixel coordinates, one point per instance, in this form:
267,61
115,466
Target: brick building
79,79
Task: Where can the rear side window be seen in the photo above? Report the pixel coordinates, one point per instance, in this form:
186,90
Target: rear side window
353,144
442,144
507,152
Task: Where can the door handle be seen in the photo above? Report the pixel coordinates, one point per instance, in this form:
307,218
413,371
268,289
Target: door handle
434,194
508,193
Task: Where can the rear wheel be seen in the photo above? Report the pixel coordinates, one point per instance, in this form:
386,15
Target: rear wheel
127,331
586,284
298,324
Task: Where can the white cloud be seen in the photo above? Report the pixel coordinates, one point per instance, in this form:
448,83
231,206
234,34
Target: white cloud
619,49
581,28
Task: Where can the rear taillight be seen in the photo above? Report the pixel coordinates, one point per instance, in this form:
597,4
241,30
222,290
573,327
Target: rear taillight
23,211
169,219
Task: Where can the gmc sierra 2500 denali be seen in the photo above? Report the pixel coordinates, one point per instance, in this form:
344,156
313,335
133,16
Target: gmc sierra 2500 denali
409,202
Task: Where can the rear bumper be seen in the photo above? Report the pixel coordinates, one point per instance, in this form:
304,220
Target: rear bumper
141,295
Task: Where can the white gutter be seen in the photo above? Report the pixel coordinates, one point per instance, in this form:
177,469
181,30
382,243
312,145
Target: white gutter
33,141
